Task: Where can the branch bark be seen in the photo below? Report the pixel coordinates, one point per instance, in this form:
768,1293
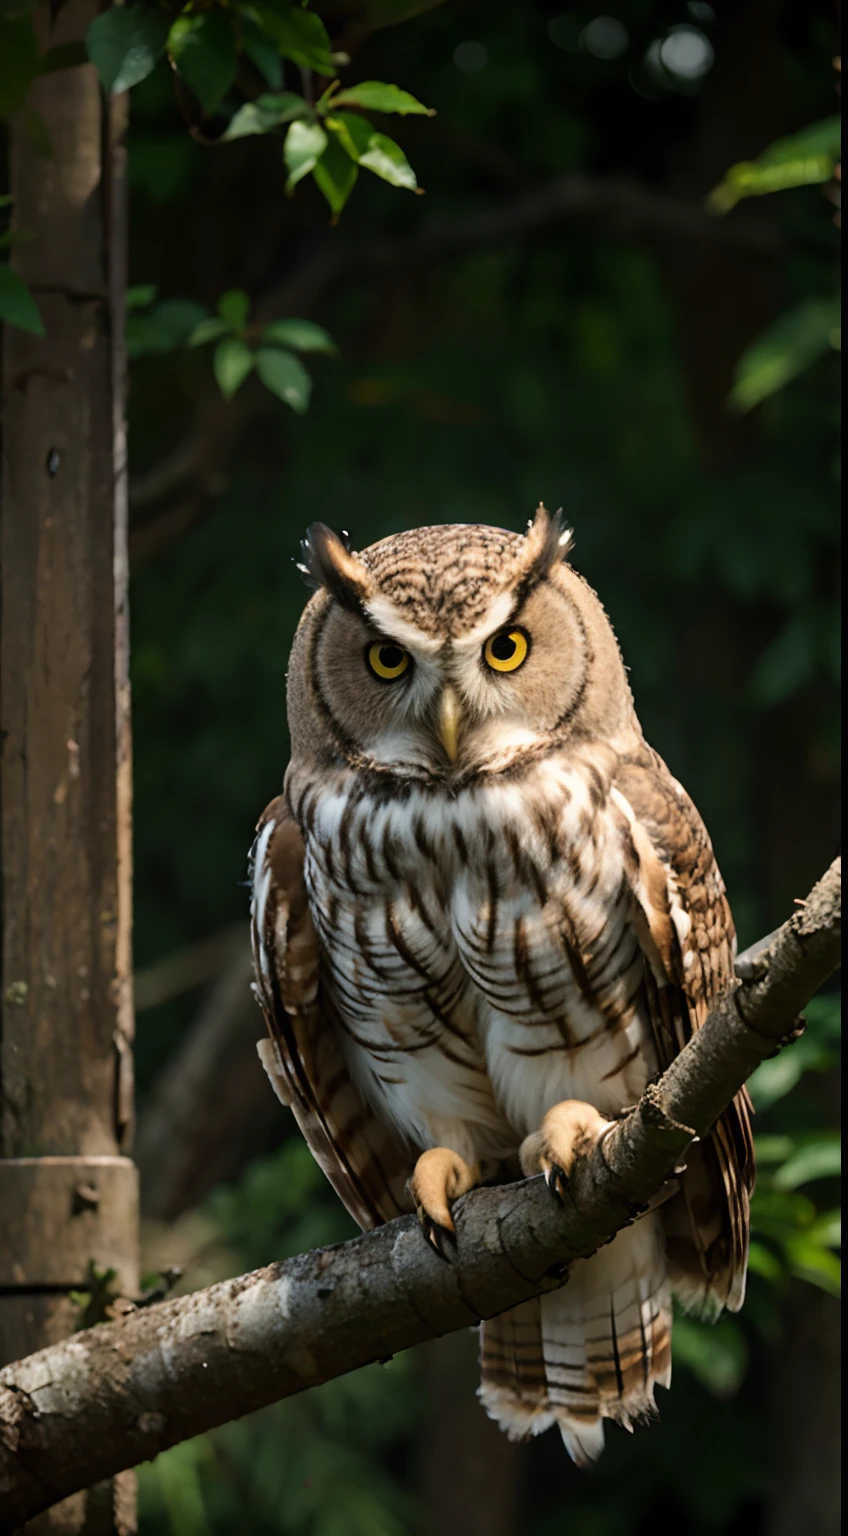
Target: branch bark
121,1393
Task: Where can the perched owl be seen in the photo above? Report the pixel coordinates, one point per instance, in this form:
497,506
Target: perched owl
484,917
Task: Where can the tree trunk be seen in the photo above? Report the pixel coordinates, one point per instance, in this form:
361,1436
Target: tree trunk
68,1193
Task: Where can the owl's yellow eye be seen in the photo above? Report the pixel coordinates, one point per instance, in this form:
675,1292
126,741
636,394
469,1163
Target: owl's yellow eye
505,652
387,661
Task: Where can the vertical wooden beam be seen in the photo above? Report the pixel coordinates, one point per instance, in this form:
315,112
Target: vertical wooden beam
68,1191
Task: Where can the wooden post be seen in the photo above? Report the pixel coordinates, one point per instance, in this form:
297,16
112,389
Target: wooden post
68,1191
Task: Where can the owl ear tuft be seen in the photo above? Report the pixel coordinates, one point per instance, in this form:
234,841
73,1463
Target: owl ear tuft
546,542
327,561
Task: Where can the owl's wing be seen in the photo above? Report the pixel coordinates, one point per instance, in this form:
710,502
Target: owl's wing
367,1168
682,896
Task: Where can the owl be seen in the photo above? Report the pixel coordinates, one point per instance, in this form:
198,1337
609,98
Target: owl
484,917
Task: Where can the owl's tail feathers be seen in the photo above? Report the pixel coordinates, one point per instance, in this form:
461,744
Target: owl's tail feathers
594,1350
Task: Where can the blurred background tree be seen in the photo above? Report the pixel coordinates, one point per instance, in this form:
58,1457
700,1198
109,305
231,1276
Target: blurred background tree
573,313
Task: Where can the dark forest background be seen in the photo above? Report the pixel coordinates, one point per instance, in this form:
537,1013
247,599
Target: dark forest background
560,318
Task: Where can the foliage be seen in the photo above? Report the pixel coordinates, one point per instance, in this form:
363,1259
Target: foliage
157,326
788,347
210,46
216,47
795,1219
804,335
807,158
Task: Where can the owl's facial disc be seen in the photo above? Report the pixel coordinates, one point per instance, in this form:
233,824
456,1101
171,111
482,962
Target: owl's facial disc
448,652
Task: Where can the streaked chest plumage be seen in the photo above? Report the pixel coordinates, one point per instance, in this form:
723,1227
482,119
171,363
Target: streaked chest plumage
479,954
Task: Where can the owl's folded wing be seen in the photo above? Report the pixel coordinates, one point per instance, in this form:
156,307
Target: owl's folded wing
367,1168
690,931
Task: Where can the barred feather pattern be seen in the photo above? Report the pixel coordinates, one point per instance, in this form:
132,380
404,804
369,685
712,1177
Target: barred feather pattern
440,970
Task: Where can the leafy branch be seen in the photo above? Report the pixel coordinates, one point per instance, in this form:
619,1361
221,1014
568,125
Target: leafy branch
165,325
217,48
224,48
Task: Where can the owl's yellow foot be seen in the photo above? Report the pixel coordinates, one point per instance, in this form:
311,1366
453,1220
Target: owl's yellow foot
569,1130
439,1177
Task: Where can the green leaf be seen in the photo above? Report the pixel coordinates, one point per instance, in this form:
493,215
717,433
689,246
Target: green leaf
818,1158
265,113
373,150
285,376
63,56
164,327
786,349
305,144
232,363
140,295
204,50
261,52
387,160
207,330
335,176
17,305
377,96
18,62
802,159
353,132
751,180
234,308
6,200
303,335
124,44
300,36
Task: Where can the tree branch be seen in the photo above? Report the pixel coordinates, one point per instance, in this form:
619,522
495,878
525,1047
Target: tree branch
120,1393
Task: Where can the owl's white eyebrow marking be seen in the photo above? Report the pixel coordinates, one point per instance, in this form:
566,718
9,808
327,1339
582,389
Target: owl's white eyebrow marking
496,616
389,621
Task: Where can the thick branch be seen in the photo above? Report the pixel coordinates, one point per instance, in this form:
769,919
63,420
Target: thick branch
120,1393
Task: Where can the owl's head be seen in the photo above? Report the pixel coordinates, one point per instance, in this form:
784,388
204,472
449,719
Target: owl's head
451,651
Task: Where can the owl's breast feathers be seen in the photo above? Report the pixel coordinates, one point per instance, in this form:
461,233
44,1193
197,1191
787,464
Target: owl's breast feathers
438,968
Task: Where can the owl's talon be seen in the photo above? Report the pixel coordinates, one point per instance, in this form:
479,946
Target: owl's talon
439,1238
556,1180
440,1177
568,1131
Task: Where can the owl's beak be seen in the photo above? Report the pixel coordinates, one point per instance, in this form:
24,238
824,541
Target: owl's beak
449,713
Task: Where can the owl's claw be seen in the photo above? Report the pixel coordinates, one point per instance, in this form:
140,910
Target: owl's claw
556,1180
440,1176
439,1237
568,1131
